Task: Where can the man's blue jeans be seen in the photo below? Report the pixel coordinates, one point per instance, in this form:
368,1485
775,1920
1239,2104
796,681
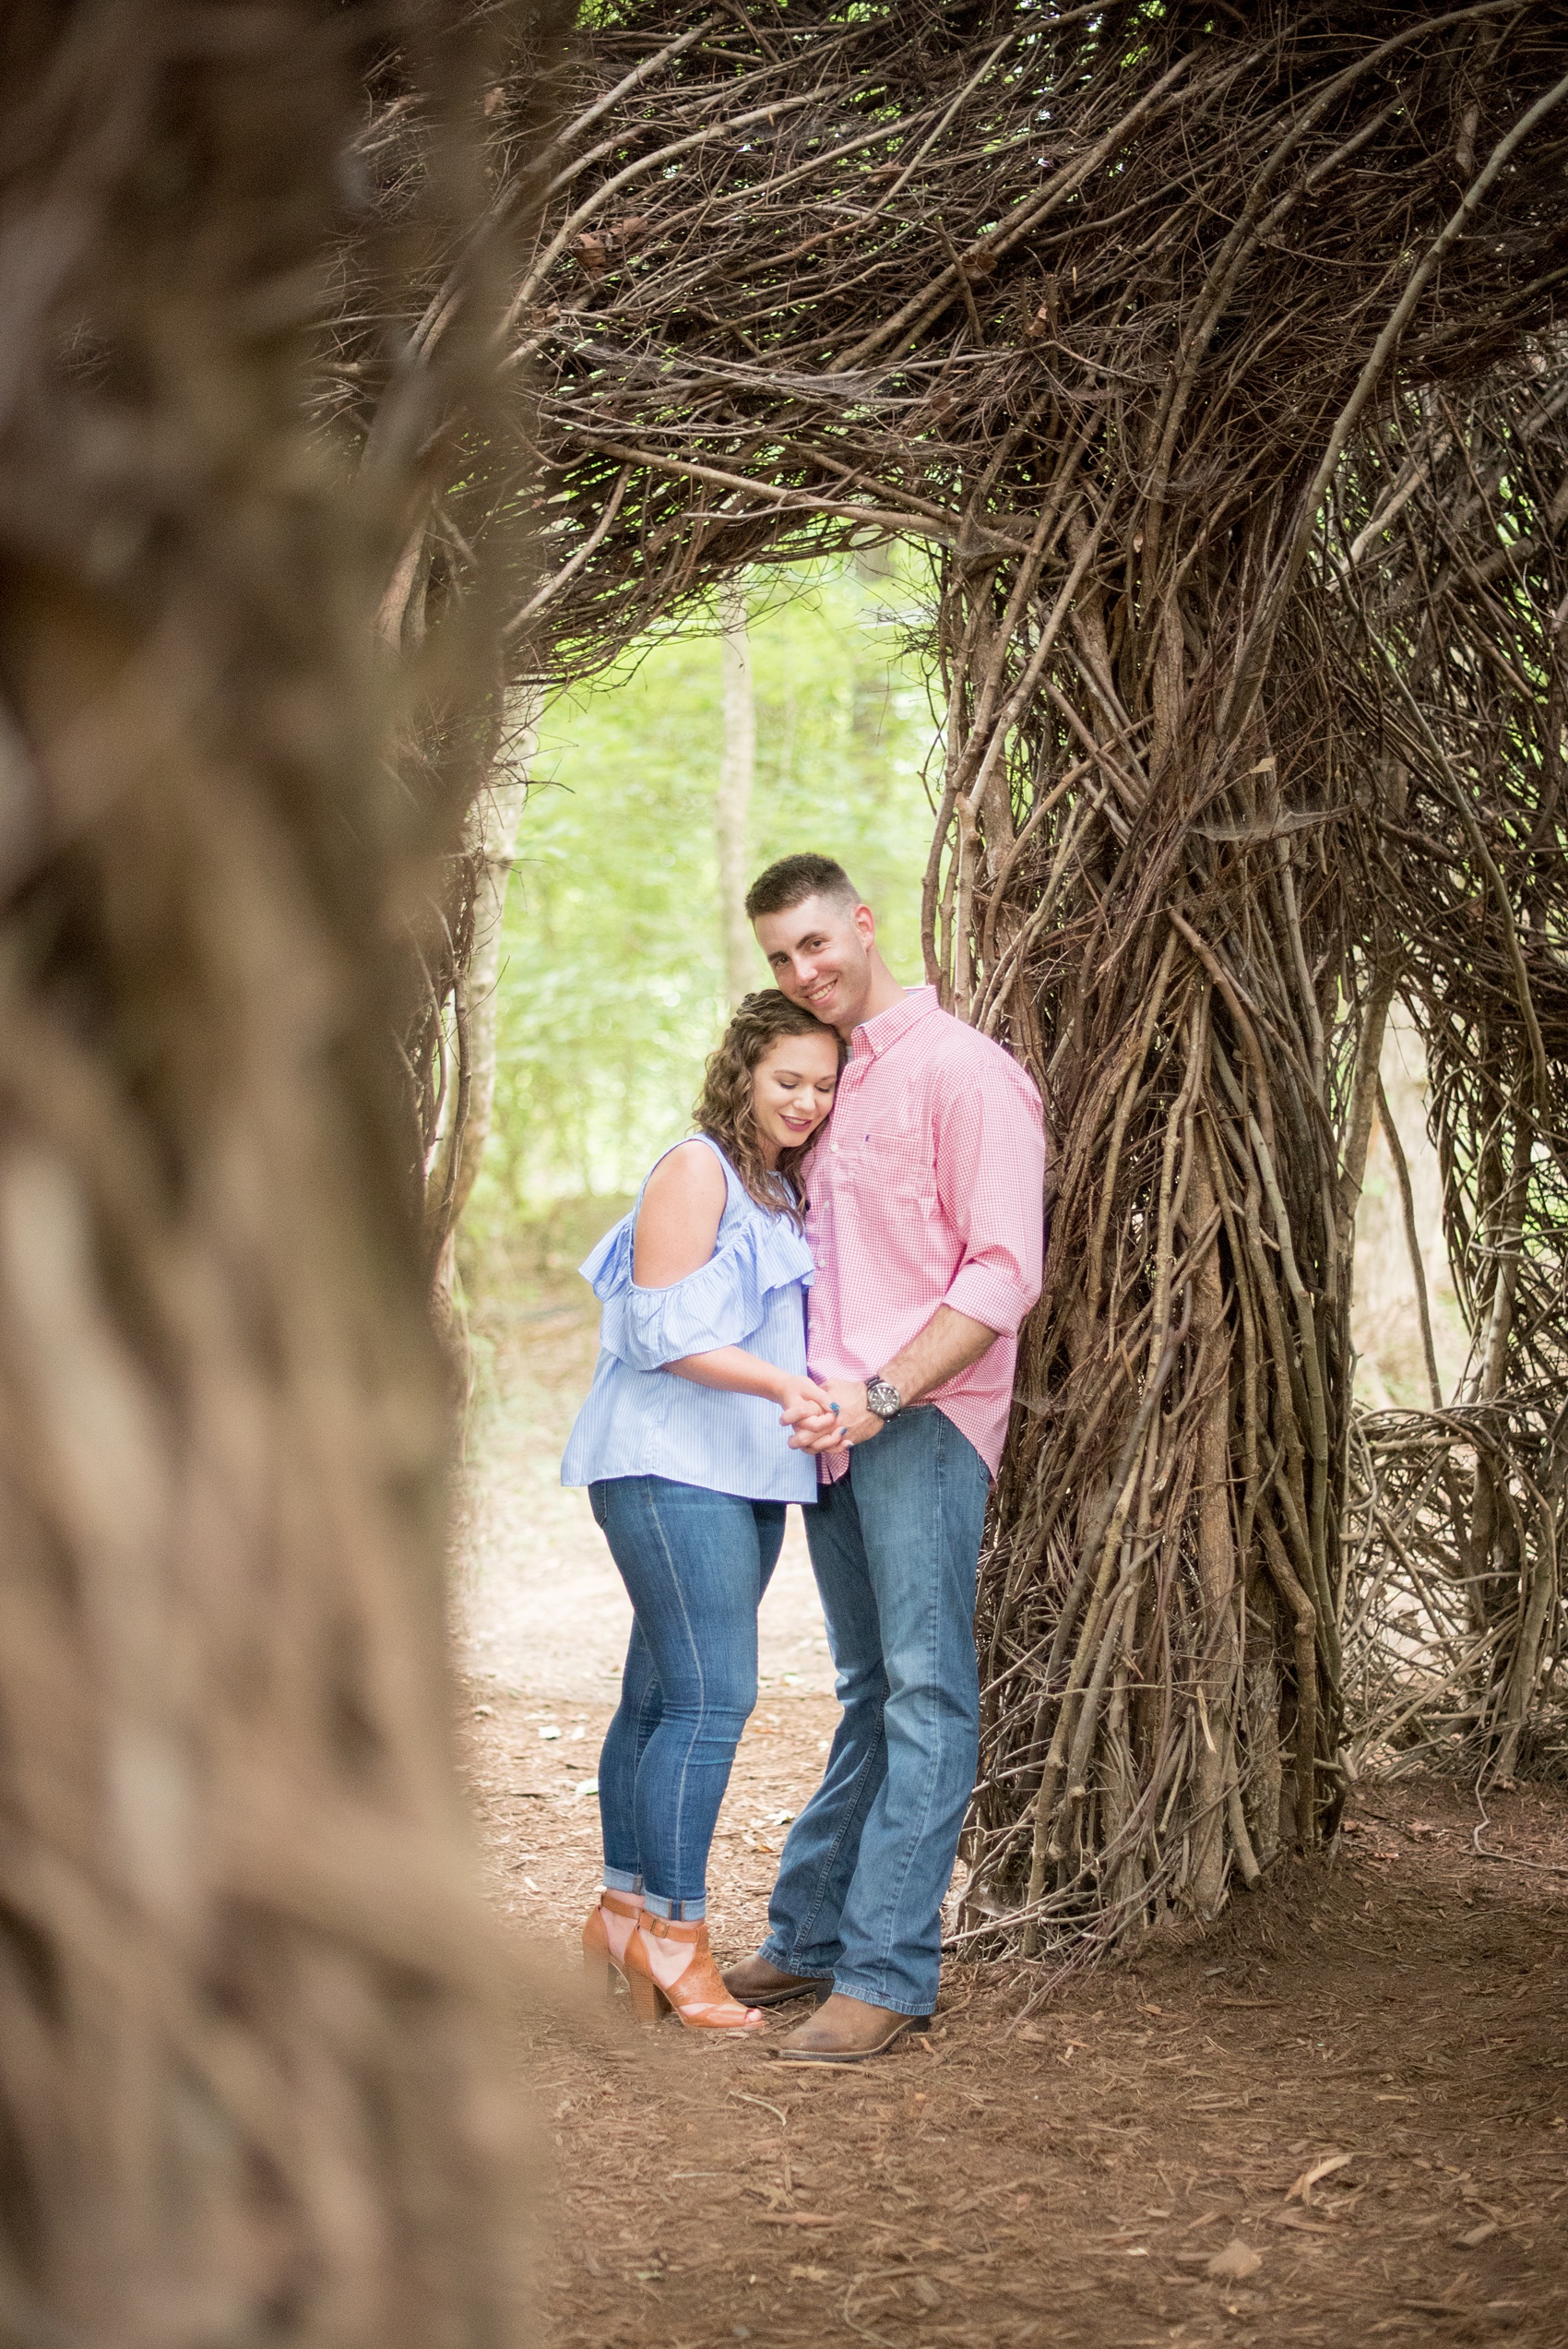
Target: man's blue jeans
865,1870
696,1564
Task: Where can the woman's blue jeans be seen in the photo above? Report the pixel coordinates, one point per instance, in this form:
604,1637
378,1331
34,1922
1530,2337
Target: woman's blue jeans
696,1564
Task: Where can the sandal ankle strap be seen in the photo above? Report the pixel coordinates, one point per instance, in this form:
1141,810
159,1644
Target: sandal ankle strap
673,1928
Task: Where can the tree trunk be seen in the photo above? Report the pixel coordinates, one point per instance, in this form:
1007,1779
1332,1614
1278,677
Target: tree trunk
491,844
731,802
251,2054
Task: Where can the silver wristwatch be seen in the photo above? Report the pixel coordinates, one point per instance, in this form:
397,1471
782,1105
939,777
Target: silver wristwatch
882,1399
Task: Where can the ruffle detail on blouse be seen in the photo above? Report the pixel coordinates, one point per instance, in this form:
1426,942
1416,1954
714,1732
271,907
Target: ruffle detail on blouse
719,1304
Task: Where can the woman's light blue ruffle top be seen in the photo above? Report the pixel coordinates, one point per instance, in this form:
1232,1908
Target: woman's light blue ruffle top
641,1420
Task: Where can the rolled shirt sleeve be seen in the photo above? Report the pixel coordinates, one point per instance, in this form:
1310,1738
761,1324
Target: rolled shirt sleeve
991,1164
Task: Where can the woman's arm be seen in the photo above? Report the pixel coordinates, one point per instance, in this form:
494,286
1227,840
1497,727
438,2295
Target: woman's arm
736,1372
682,1208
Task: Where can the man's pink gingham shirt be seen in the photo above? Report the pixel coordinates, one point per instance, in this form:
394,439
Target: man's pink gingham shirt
928,1189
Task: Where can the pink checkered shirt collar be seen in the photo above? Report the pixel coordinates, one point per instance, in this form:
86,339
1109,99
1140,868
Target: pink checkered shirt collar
873,1037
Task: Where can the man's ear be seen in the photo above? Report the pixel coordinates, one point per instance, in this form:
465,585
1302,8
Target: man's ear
864,921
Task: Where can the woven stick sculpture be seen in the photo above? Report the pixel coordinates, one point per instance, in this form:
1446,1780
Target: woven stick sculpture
1098,305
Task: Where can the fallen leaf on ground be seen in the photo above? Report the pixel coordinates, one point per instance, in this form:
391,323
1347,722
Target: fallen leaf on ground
1237,2260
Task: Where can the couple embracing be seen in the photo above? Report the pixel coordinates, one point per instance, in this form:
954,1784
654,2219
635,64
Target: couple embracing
816,1299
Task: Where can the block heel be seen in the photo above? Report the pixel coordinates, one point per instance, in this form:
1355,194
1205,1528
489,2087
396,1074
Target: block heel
608,1928
648,2001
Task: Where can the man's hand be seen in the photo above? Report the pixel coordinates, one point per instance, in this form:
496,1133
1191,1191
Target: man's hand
852,1423
947,1345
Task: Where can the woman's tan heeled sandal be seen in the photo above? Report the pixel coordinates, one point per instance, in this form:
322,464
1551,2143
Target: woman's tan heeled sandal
609,1926
670,1968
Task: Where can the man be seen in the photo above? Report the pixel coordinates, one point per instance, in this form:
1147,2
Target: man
926,1222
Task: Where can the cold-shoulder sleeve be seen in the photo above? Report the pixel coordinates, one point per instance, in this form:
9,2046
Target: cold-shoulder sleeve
719,1305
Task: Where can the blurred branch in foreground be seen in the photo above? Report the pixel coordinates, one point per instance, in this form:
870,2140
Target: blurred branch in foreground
248,1994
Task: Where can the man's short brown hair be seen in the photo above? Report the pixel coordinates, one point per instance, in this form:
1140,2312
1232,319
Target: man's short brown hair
793,879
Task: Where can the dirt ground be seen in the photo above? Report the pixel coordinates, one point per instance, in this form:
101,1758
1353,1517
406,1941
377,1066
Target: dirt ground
1340,2115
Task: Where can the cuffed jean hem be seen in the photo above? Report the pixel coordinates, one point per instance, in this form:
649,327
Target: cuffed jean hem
623,1880
678,1912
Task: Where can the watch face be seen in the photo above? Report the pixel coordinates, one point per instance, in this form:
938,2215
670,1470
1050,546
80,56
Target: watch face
881,1398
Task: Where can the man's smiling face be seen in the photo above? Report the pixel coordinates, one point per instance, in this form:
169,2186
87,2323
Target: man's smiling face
819,953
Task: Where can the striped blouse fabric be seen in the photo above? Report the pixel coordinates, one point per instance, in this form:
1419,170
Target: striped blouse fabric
641,1420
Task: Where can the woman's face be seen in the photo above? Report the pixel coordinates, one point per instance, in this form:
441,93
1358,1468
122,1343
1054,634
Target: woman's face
792,1088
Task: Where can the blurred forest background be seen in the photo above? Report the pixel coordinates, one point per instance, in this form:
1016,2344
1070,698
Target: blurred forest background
611,989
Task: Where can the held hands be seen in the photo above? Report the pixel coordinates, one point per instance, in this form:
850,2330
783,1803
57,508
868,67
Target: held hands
805,1404
830,1430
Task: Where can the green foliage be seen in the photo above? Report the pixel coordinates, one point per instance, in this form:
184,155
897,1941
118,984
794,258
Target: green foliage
611,992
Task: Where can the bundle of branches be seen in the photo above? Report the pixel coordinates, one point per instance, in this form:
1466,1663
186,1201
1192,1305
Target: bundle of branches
249,2002
1450,594
1092,304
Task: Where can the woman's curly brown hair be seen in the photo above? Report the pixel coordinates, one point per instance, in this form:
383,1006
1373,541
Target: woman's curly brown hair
723,1109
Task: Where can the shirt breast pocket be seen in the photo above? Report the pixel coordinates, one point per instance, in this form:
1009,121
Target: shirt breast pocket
898,1168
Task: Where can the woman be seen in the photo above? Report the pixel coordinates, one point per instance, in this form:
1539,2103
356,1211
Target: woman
684,1446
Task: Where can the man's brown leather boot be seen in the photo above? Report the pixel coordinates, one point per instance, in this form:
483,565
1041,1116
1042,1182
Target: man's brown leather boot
759,1983
847,2031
